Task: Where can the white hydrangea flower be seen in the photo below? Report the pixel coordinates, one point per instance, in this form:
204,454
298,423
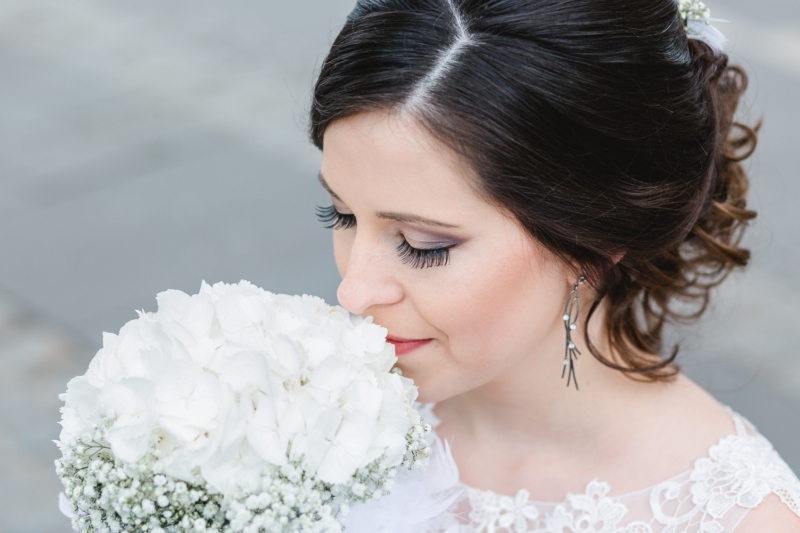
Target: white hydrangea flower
236,407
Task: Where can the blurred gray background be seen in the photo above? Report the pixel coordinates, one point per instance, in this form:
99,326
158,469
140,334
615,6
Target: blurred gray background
150,145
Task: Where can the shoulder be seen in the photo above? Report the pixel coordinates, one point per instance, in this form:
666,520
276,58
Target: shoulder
771,515
746,470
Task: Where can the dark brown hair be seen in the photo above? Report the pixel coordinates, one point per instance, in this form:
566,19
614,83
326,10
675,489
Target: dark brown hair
596,123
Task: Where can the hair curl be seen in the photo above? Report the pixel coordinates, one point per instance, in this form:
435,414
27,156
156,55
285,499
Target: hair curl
596,123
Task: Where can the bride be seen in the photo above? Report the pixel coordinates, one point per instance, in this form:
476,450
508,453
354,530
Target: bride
525,192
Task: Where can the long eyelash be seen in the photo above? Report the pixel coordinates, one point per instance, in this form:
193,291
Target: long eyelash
334,219
419,258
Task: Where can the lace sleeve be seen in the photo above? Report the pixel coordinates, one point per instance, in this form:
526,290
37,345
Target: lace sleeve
741,470
768,466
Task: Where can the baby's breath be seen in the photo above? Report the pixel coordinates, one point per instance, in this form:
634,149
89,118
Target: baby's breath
693,10
111,496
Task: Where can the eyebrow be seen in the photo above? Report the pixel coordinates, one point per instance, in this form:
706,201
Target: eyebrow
328,187
399,217
414,219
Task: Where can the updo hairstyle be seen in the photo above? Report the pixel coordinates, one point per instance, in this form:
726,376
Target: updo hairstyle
596,123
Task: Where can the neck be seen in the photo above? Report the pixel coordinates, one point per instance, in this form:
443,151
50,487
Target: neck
527,429
530,406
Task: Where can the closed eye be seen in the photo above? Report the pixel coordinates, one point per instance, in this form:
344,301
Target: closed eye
423,257
414,257
332,219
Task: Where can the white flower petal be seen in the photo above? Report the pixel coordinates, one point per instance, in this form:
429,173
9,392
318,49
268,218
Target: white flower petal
332,376
246,369
317,349
347,449
131,402
83,397
264,436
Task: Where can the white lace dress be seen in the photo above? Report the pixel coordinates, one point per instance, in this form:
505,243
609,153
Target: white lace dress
713,497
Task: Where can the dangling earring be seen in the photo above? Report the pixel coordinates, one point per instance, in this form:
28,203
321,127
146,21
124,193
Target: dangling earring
570,323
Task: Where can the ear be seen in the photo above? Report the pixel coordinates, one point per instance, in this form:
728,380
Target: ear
617,257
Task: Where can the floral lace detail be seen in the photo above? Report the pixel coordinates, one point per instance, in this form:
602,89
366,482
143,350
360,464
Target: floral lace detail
493,512
713,497
592,511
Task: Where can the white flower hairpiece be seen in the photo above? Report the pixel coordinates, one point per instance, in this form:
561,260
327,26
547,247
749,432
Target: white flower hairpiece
697,21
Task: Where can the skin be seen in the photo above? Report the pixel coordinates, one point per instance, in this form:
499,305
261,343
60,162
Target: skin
494,317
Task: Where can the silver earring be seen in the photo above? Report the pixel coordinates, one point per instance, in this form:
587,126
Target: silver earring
571,353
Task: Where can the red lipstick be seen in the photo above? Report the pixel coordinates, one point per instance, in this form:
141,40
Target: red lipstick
404,346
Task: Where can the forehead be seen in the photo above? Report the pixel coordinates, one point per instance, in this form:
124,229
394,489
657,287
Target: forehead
384,157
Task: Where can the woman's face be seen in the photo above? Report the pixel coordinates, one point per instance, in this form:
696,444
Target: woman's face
420,251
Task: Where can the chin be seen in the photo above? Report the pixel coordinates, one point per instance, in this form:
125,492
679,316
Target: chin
430,391
433,375
428,398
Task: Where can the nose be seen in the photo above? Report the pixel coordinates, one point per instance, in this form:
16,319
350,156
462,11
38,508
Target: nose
368,278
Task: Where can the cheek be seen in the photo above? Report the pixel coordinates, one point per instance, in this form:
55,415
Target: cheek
504,309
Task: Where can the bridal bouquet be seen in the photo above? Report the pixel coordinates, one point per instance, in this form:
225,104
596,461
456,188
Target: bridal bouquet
239,410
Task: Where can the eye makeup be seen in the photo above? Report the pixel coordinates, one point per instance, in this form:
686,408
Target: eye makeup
422,257
414,257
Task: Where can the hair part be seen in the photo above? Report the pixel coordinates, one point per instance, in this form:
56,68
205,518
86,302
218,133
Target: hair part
596,123
420,94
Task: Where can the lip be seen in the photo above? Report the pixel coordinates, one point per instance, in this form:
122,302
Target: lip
404,346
